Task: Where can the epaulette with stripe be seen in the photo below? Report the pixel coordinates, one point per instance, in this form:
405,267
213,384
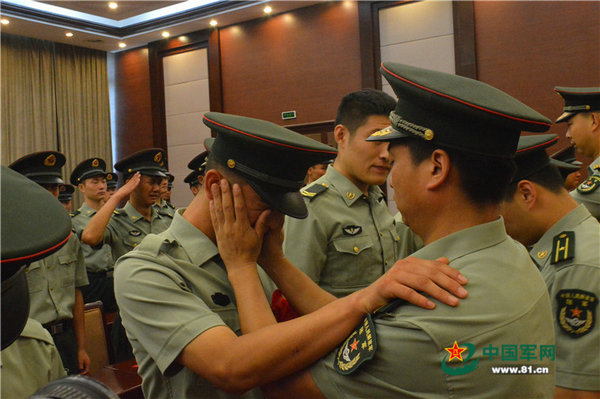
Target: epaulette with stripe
73,214
314,190
563,247
120,212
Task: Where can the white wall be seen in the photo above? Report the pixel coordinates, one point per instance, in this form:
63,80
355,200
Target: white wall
186,101
419,34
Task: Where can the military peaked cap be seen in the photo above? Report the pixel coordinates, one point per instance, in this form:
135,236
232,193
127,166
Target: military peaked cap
41,167
151,161
578,99
65,192
531,156
456,112
112,179
91,167
271,158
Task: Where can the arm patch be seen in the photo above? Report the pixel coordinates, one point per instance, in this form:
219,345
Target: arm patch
590,185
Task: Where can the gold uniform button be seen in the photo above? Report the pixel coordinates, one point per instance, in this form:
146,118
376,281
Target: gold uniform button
356,249
398,238
135,244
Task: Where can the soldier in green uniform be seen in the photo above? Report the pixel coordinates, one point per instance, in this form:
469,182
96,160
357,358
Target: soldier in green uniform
65,196
582,115
349,238
449,135
163,205
570,171
196,176
123,229
55,281
29,357
90,178
563,239
177,298
112,181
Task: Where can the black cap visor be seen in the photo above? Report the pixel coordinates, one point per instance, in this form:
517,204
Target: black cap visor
46,179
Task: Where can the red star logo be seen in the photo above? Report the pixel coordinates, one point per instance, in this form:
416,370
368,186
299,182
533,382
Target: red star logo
354,345
576,312
455,352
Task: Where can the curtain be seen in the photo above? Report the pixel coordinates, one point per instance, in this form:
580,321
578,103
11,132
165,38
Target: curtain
54,97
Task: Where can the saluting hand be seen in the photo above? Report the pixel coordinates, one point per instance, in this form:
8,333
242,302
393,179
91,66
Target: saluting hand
238,242
128,187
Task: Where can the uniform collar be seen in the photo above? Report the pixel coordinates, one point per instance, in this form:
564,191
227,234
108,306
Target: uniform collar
465,241
543,247
198,247
134,215
87,210
348,190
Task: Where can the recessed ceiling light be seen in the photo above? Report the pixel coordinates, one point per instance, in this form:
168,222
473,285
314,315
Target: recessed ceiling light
4,21
69,34
122,45
165,34
112,5
213,22
267,9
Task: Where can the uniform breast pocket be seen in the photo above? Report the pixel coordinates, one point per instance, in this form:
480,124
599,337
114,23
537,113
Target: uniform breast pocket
352,245
67,269
350,263
35,277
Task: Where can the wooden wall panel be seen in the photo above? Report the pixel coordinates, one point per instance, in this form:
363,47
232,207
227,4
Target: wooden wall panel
133,108
305,60
527,48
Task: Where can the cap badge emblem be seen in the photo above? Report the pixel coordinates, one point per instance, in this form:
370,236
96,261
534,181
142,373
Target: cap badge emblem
50,160
62,188
95,163
108,177
231,164
158,157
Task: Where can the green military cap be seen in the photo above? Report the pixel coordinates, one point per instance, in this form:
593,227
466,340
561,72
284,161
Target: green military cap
41,167
65,192
531,156
198,163
112,179
566,161
192,178
151,161
91,167
456,112
578,99
170,181
271,158
46,229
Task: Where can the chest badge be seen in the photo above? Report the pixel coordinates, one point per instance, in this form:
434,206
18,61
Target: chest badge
352,230
220,299
359,347
576,311
135,233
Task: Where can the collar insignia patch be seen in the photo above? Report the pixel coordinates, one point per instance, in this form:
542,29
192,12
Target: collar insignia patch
576,312
359,347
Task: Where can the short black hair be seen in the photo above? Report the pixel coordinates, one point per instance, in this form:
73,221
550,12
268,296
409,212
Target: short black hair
548,177
356,107
483,179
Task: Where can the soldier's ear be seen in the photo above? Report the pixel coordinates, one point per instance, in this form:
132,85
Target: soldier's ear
211,177
341,135
527,193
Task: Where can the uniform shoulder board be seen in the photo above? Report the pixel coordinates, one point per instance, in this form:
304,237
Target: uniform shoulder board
73,214
314,190
590,185
596,168
563,247
120,212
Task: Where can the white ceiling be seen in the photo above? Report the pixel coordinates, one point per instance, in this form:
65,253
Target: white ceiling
136,23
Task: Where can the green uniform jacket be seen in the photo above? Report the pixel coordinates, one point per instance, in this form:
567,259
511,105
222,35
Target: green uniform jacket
588,192
52,282
165,208
96,260
507,309
30,363
127,227
348,239
571,267
171,289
